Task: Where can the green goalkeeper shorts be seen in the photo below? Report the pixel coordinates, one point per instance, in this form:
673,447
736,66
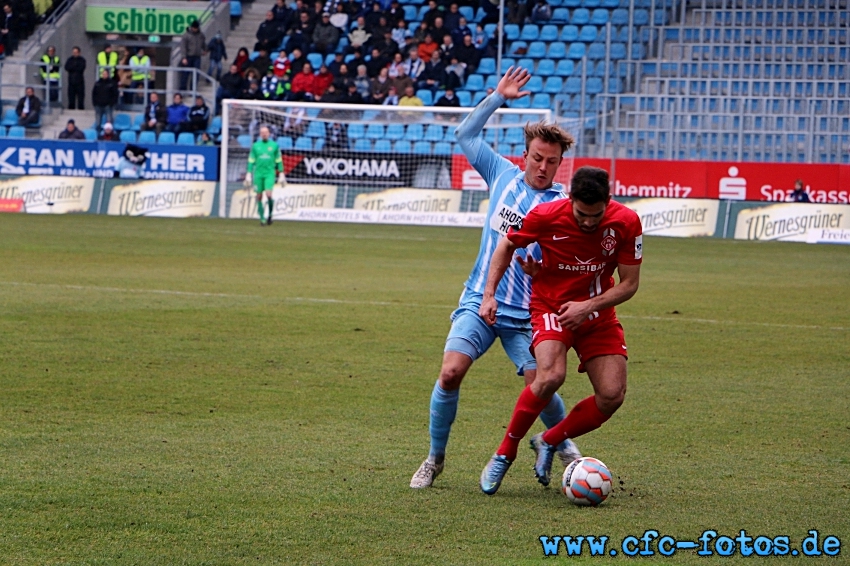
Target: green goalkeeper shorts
264,183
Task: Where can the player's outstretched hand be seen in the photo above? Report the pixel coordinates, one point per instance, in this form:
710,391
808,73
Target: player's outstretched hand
573,314
249,180
528,265
487,310
511,84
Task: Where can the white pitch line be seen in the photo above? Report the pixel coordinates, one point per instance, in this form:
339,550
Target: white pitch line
392,304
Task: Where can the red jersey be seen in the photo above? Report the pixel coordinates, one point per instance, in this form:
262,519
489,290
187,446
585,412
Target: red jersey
577,265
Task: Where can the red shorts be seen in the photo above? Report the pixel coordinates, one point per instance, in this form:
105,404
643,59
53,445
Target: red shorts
600,337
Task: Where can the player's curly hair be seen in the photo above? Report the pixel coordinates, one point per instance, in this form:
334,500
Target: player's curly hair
590,185
549,133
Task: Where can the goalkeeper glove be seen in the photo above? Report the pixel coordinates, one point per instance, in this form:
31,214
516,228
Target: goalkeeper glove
281,179
249,179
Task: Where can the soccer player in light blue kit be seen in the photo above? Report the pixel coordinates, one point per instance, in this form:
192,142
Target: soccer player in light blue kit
513,192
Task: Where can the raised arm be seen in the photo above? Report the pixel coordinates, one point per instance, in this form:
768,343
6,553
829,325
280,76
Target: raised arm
499,263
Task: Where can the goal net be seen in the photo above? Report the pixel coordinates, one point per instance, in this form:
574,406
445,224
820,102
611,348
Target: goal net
366,158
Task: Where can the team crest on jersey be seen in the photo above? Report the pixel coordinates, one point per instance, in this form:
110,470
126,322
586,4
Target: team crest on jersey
609,241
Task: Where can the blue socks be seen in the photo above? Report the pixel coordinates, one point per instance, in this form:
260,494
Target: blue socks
443,411
554,412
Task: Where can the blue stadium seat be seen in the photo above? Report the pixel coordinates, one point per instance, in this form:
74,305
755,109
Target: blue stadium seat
546,67
186,138
426,96
127,136
136,126
620,17
18,132
91,134
401,146
514,135
511,32
537,50
284,142
591,3
422,148
523,102
315,59
304,143
467,12
553,84
599,17
587,34
415,132
375,131
166,137
442,148
535,84
383,146
487,66
478,97
474,83
576,51
507,62
490,134
596,51
638,51
565,68
518,49
148,137
362,145
557,50
122,122
214,128
571,3
618,51
434,133
2,131
641,18
560,16
610,4
548,33
10,118
409,13
530,32
580,17
356,131
569,34
599,69
394,132
420,16
464,98
593,85
541,101
492,81
316,129
526,63
572,85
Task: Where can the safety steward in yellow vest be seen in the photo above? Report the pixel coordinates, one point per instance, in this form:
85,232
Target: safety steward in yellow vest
139,65
107,59
50,72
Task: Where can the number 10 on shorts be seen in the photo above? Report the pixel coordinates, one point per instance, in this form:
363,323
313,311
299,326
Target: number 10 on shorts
550,322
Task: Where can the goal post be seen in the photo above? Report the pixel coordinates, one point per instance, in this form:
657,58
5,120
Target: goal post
366,157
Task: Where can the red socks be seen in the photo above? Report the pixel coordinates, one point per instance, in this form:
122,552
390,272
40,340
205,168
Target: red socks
583,418
527,409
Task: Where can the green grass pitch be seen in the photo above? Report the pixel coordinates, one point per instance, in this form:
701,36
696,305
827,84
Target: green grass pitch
213,392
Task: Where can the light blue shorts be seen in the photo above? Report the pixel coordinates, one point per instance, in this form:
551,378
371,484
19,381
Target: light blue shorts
472,336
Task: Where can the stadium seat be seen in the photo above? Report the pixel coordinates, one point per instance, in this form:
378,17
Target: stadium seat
434,133
478,97
91,134
553,85
511,32
491,82
186,138
569,34
565,68
576,51
526,63
546,67
523,102
560,16
148,137
370,115
620,17
467,12
316,129
596,51
18,132
587,34
474,83
375,131
214,128
304,143
422,148
415,132
487,66
394,132
284,142
548,33
320,144
557,50
537,50
507,63
136,126
530,32
442,148
572,85
383,146
580,17
641,18
610,4
362,145
426,96
356,130
401,146
571,3
599,17
127,136
591,3
535,84
618,51
464,97
2,131
541,101
10,118
122,122
515,135
593,85
518,49
315,59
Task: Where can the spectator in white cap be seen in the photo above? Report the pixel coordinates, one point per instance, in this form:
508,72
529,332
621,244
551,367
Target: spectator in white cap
108,133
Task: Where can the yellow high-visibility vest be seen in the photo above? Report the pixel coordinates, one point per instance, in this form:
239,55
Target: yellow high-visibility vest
138,65
103,63
50,67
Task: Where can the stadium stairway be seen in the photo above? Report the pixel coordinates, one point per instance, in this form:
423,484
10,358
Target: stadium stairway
245,34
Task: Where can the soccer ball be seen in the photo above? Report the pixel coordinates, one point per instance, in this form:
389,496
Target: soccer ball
587,481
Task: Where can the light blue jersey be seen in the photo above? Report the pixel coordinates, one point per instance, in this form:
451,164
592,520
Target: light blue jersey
510,200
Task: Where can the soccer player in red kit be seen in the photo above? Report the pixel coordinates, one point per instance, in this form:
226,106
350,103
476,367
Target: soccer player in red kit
583,240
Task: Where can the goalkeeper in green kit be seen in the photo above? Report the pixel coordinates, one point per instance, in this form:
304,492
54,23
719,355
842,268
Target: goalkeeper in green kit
264,165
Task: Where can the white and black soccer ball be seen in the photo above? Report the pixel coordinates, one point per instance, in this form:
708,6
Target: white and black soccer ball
587,481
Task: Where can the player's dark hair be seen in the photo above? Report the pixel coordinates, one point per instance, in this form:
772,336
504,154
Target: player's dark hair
590,185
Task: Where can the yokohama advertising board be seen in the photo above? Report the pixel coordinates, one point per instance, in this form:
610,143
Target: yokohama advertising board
825,183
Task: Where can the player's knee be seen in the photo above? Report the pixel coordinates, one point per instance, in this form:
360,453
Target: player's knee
609,400
550,379
451,377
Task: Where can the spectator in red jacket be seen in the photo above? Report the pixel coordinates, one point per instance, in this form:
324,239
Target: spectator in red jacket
323,80
304,84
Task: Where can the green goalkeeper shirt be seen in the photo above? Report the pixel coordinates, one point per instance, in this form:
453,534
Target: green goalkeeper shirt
264,158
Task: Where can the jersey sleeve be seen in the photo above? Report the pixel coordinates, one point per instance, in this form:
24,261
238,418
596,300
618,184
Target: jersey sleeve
487,162
631,251
252,159
278,162
530,232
